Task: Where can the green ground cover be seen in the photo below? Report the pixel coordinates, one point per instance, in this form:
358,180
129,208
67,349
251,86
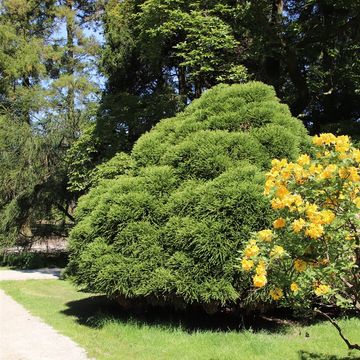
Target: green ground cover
105,333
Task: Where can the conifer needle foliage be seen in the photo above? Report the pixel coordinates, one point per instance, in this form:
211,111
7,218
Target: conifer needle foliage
169,227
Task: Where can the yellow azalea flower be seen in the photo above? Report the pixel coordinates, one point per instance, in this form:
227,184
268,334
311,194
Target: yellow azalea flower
298,200
311,209
265,235
356,155
251,250
285,174
317,141
304,160
353,174
247,264
327,216
357,202
342,156
294,287
315,217
268,186
277,204
276,294
279,223
292,199
324,139
300,265
278,164
261,268
297,225
277,251
327,173
282,191
259,281
343,173
322,289
298,170
314,231
342,143
288,201
315,169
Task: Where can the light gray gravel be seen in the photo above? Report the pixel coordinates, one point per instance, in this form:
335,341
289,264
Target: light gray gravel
25,337
39,274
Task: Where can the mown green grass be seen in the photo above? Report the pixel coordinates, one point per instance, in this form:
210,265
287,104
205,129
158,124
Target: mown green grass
78,315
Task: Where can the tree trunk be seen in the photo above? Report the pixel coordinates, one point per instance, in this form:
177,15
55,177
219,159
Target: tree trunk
70,68
273,59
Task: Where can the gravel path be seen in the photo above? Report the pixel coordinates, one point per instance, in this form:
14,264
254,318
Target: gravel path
26,337
39,274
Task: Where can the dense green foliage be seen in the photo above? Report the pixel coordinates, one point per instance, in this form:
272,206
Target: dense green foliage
160,54
34,260
46,98
171,225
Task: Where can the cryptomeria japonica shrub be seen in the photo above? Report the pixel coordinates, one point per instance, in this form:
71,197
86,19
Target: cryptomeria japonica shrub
169,228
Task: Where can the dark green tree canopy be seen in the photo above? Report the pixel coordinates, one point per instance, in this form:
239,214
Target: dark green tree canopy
168,224
160,54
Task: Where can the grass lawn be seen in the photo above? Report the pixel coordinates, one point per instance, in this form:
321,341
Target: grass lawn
85,319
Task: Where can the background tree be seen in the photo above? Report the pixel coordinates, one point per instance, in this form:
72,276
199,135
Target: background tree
161,54
47,95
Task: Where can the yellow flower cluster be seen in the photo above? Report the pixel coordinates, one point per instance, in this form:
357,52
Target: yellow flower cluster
265,235
298,224
300,265
276,294
328,172
279,223
310,196
277,251
251,249
314,231
351,173
247,264
324,139
259,280
322,289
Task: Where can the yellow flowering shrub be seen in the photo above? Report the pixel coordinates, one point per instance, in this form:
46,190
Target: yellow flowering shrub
312,251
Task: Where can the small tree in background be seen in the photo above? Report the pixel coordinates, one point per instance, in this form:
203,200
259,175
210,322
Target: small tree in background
311,255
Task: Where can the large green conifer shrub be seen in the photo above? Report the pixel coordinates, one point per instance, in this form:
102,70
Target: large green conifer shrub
169,229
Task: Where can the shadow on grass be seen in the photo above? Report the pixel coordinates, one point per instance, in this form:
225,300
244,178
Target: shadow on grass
305,355
96,311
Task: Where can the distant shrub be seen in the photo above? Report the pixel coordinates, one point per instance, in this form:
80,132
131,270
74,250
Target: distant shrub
33,260
169,228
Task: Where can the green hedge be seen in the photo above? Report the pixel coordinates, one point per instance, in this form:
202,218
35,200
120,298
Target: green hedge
169,229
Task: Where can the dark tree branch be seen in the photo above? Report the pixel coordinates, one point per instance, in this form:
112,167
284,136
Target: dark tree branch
349,345
65,212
